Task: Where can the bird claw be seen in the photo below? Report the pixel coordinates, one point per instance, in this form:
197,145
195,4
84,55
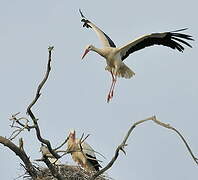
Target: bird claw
111,94
108,98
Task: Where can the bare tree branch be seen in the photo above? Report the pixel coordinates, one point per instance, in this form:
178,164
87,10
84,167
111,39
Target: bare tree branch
61,144
52,168
123,144
18,129
180,135
41,84
22,155
82,140
29,111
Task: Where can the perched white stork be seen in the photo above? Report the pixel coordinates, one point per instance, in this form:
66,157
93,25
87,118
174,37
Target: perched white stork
82,153
116,55
45,152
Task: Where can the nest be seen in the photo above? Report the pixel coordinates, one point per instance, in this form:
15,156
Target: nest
69,172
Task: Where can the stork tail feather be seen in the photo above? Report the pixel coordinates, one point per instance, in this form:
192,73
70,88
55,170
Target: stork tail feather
125,72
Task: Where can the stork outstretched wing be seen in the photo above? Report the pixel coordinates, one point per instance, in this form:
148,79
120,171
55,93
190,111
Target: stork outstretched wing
104,38
171,39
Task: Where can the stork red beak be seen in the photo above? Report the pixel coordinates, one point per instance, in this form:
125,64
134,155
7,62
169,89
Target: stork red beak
86,51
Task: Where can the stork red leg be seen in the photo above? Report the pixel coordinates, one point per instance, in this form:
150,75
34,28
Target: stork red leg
110,94
114,82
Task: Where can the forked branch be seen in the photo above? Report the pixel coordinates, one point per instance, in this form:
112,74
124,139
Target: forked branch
123,143
52,168
38,93
19,126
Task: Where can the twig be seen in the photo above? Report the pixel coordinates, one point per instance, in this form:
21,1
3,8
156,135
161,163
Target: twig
123,144
21,144
82,140
61,144
180,135
20,128
16,132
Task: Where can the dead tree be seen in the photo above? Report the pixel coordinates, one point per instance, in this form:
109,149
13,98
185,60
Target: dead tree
62,171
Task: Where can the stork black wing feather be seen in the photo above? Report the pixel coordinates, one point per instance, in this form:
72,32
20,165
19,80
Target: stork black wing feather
185,36
110,41
86,21
182,41
171,39
145,43
94,162
87,25
179,30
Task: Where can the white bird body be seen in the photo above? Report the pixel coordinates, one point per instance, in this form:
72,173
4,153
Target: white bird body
115,56
82,153
114,61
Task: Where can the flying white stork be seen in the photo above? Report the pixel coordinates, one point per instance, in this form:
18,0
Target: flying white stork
116,55
82,153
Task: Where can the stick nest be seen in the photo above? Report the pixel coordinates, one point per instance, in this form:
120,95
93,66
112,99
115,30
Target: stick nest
69,172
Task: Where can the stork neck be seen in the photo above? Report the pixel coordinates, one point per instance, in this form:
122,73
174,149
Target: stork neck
99,51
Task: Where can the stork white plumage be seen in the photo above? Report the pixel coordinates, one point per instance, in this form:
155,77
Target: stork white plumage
82,153
115,56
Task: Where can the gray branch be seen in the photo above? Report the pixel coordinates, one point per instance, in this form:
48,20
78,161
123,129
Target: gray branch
123,144
34,119
29,111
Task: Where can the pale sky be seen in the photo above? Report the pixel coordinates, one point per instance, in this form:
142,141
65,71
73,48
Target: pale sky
74,97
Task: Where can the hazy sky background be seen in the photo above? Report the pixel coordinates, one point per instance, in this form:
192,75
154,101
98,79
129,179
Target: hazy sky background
165,84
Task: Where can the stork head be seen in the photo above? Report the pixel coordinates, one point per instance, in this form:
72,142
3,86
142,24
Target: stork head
87,49
72,134
71,143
